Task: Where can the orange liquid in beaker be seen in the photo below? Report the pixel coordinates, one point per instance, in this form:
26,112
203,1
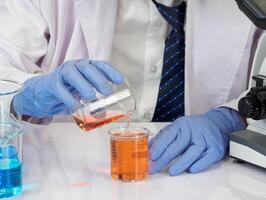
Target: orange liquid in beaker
129,156
90,122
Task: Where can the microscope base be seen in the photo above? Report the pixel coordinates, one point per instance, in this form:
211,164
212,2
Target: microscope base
249,146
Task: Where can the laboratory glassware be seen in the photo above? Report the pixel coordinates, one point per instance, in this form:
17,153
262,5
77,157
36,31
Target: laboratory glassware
105,109
129,153
10,139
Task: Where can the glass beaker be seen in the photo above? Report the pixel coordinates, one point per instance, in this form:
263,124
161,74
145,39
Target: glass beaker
129,153
105,109
10,140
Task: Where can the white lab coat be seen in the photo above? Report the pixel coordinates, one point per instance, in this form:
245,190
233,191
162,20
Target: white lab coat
37,36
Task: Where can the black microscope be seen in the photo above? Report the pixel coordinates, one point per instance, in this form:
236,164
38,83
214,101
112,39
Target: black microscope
250,145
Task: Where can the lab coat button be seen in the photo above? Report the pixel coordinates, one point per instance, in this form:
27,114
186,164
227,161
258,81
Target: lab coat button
158,23
153,69
147,116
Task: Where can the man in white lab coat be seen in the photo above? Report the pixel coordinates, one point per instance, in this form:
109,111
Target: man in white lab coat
38,38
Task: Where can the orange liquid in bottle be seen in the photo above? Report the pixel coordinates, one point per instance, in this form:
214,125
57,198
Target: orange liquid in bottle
129,156
92,122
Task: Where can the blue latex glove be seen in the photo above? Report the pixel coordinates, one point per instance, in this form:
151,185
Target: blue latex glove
54,93
194,142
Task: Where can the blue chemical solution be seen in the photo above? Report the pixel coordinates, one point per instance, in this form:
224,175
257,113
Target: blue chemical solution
10,177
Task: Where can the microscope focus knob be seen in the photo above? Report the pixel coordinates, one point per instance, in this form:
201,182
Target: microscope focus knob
249,107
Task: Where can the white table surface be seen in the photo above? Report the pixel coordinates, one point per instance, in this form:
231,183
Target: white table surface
63,163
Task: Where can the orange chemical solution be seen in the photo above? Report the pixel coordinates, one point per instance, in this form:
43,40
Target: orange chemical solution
90,122
129,156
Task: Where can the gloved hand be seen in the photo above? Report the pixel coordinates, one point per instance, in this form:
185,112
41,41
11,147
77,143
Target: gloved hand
54,93
195,142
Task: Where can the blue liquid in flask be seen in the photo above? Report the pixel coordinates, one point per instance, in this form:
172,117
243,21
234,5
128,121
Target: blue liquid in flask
10,177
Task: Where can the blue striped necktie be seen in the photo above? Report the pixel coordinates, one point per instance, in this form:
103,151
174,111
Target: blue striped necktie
170,103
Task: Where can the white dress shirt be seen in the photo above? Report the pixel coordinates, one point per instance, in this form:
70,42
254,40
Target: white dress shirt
139,38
